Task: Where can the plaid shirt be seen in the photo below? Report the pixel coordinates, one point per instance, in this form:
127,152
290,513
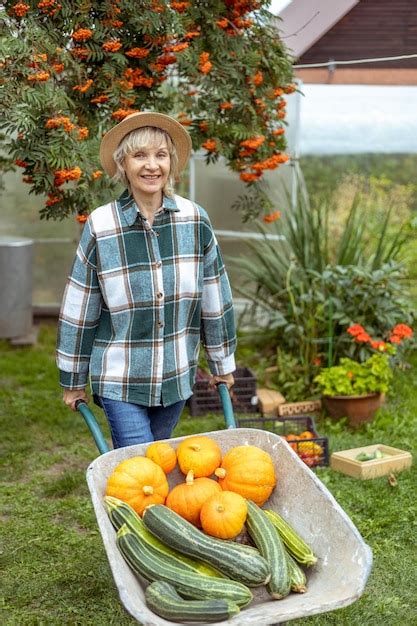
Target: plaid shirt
140,299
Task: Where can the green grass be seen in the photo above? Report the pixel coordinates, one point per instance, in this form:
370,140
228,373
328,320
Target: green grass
54,565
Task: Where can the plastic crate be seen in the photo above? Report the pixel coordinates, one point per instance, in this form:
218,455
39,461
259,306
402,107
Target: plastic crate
206,399
294,425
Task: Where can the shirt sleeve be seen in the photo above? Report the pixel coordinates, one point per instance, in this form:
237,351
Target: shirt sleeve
79,315
218,331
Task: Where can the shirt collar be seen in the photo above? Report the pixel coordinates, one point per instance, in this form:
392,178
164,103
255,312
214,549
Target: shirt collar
129,208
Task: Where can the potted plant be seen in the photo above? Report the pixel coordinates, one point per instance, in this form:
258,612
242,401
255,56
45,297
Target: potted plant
356,389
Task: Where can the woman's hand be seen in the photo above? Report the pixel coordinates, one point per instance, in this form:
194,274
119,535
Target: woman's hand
227,379
72,395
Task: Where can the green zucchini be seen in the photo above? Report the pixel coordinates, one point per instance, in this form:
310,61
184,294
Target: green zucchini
297,575
121,513
237,561
154,566
295,545
162,598
272,548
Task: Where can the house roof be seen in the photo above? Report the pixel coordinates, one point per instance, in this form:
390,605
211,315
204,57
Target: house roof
303,22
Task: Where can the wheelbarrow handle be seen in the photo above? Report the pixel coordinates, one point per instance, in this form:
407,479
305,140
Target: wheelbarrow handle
92,424
229,418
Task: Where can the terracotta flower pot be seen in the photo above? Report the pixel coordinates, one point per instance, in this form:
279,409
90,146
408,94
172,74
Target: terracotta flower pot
357,409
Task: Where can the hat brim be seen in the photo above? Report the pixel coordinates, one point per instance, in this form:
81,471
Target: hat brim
180,137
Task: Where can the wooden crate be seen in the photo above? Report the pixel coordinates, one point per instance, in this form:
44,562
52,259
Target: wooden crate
345,462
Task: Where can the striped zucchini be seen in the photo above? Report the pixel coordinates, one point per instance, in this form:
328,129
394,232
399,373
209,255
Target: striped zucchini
296,546
154,566
297,575
237,561
121,513
162,599
271,547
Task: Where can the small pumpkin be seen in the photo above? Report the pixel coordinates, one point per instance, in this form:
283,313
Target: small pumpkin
187,498
139,482
249,471
163,455
200,454
224,515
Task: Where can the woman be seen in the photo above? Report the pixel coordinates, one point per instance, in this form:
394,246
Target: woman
148,283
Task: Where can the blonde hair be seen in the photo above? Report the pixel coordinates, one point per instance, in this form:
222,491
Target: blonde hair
144,138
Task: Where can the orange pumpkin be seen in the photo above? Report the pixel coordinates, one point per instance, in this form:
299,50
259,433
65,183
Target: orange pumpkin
200,454
224,515
163,455
187,498
249,471
139,482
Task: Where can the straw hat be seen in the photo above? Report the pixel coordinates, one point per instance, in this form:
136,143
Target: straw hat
111,140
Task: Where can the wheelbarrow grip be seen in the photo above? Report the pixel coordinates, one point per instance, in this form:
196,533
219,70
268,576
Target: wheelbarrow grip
92,424
229,418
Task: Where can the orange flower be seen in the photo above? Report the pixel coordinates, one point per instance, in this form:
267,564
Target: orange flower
278,92
393,339
203,126
272,217
402,330
63,176
363,338
178,47
112,46
82,133
85,87
58,67
192,34
258,79
80,53
205,65
20,9
243,23
179,6
138,53
224,106
281,115
290,88
40,58
40,77
53,199
379,345
82,34
223,23
120,114
247,177
278,131
81,218
56,122
117,23
254,143
97,174
49,7
184,120
210,145
99,99
21,163
355,330
27,179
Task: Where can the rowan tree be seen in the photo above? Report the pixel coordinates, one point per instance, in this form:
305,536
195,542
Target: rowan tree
72,69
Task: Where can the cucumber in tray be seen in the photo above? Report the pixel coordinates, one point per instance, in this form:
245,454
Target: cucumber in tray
237,561
150,564
162,598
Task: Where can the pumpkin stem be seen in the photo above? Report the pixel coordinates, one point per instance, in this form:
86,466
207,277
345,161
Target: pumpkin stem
195,446
220,472
220,508
147,490
190,478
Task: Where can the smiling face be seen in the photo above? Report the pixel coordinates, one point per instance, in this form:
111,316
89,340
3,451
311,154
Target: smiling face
147,169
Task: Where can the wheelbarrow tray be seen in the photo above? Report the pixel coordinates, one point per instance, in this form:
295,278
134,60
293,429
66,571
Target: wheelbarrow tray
344,560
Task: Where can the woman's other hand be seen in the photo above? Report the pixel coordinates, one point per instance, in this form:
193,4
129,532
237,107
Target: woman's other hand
72,395
227,379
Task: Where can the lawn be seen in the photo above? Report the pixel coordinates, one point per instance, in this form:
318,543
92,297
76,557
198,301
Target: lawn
54,565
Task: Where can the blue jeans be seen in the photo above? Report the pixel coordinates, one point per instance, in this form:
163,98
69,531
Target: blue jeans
133,423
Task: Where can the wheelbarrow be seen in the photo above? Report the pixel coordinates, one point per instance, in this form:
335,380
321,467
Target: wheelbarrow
344,559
